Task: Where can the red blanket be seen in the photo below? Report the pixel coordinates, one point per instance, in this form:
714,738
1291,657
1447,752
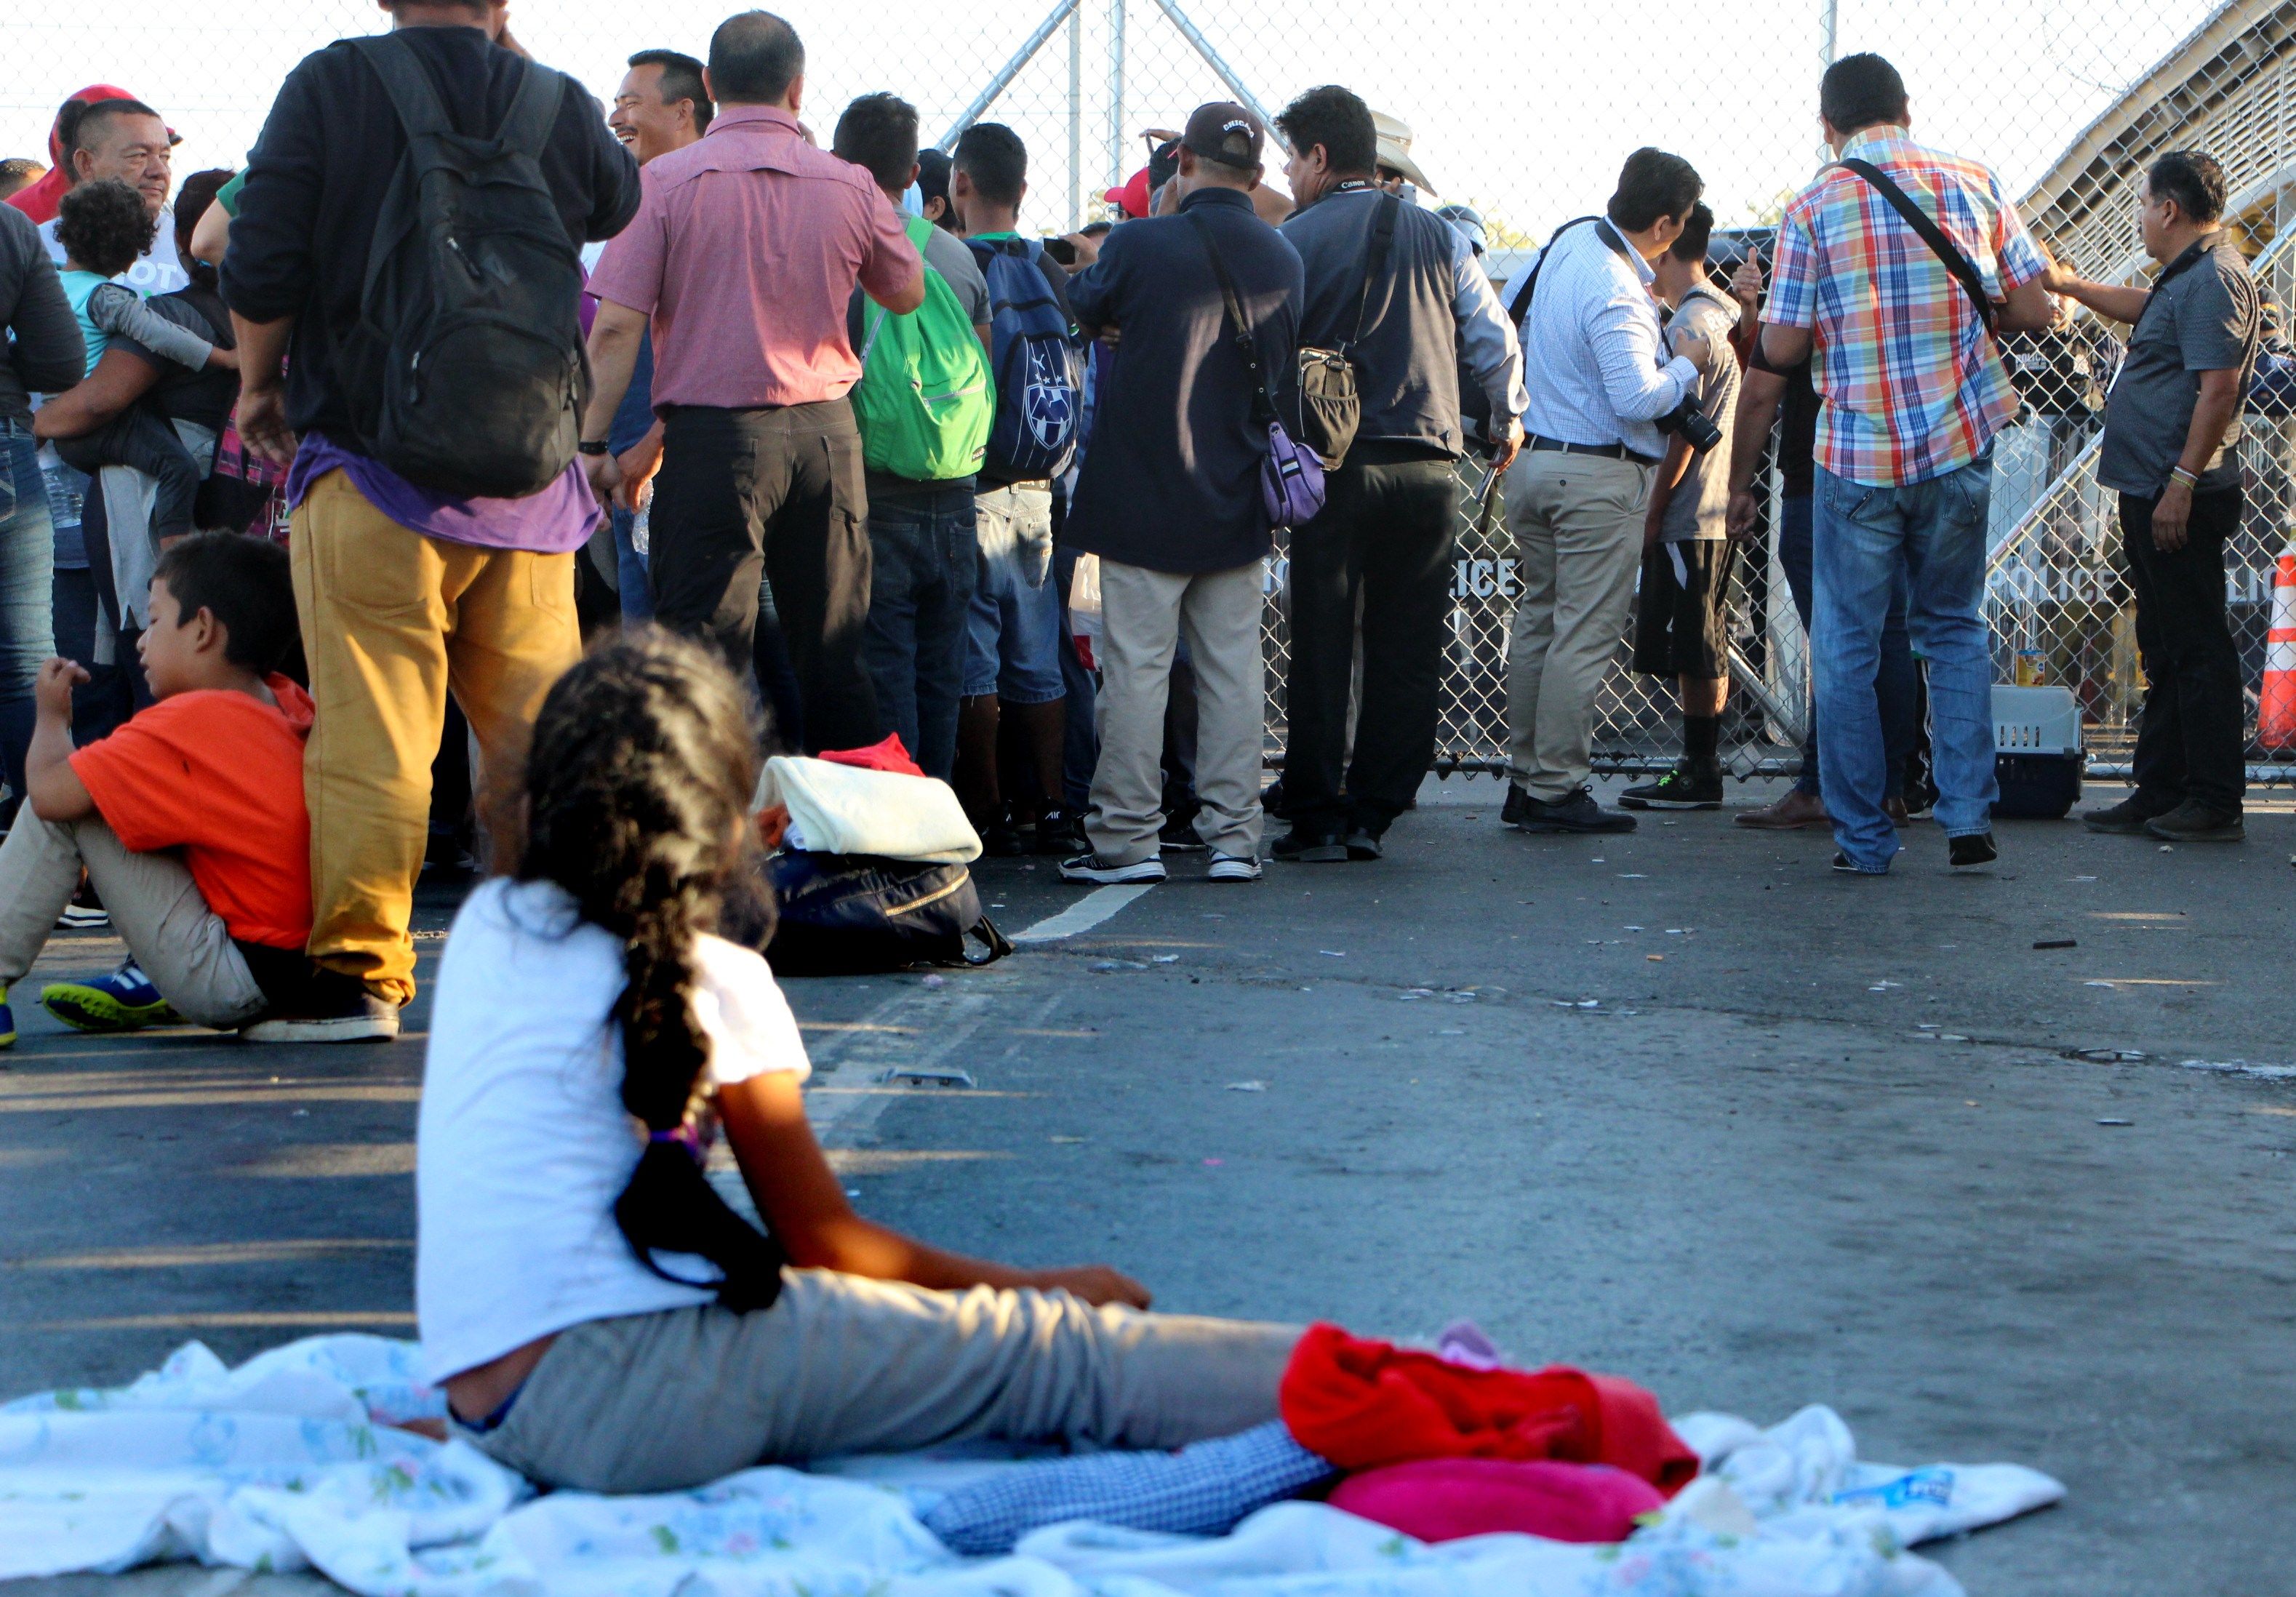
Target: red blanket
888,755
1362,1404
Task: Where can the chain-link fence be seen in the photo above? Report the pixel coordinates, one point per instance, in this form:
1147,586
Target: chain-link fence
1523,109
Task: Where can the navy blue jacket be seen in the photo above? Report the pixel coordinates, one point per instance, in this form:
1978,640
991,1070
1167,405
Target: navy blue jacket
1171,481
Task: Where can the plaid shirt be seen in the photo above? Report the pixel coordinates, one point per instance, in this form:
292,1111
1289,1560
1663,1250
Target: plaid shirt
1914,386
1203,1489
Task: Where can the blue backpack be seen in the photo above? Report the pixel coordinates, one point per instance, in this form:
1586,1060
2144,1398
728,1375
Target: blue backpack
1040,365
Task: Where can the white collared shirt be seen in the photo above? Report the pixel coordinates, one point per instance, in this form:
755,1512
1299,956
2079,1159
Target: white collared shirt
1594,366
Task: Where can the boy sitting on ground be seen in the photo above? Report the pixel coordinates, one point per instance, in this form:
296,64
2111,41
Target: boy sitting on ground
189,819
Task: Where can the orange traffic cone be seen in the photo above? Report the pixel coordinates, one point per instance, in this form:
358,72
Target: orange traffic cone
2276,706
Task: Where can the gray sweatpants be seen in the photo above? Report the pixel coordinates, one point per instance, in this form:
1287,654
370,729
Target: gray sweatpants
182,944
661,1402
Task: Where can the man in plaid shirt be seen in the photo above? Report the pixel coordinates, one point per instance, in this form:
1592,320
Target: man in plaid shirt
1914,390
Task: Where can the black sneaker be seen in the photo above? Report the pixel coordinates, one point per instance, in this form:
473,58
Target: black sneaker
86,912
1579,813
1362,843
1843,866
2125,819
1061,831
1970,849
2193,822
1002,839
1511,811
334,1008
1310,848
1685,786
1178,836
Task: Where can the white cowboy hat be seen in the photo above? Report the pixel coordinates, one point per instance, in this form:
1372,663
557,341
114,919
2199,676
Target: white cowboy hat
1395,149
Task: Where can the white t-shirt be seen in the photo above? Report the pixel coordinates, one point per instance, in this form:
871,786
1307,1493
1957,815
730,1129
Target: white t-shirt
161,271
522,1144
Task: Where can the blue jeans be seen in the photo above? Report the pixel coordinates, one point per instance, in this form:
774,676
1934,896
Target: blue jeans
632,585
26,627
1015,629
920,594
1930,536
1897,687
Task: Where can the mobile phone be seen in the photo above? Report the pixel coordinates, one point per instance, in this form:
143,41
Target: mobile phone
1062,250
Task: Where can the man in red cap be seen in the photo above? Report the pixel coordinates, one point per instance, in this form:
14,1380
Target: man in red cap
101,132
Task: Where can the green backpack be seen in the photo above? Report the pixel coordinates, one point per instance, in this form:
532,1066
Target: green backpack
925,400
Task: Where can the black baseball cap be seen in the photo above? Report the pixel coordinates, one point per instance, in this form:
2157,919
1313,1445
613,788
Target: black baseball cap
1226,133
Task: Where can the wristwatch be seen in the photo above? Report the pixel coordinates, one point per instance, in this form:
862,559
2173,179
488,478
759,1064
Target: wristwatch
593,445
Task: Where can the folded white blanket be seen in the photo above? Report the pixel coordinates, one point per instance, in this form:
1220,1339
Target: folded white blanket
847,809
286,1463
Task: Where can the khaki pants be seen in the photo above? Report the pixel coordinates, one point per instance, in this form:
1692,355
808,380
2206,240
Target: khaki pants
662,1402
1577,526
182,944
391,622
1142,615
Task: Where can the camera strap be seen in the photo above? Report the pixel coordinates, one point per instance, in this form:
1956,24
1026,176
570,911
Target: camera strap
1971,281
1519,310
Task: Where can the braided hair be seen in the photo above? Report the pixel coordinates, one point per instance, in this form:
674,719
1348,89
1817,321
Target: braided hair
637,789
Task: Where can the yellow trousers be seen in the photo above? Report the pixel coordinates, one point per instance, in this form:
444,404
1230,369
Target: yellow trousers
392,621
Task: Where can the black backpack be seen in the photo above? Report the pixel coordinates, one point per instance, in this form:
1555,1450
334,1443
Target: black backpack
850,914
473,376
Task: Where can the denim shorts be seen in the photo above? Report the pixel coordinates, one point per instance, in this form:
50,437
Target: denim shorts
1012,636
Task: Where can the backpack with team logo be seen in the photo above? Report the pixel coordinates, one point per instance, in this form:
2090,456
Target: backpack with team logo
924,402
1039,364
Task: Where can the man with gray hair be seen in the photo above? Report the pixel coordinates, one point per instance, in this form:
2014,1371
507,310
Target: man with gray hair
2171,451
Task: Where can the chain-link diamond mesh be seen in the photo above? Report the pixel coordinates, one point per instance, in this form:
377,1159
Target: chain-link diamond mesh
1521,109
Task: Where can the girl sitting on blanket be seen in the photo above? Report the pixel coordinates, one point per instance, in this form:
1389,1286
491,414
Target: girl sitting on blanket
598,1315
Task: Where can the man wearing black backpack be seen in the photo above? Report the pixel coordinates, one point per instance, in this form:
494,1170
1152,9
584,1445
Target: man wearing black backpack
1398,291
437,501
1012,658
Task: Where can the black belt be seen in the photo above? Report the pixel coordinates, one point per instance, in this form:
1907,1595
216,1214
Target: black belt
1608,451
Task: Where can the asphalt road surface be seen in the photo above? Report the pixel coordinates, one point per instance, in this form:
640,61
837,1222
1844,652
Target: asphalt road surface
1684,1106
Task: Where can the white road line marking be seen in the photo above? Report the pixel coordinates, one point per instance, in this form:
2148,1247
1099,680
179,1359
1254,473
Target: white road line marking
1084,914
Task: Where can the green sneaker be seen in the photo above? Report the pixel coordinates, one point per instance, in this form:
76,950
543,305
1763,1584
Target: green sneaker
124,1000
7,1021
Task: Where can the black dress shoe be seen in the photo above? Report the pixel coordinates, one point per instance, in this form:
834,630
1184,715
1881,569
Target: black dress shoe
2125,819
1311,848
1511,811
2193,822
1579,813
1972,848
1362,843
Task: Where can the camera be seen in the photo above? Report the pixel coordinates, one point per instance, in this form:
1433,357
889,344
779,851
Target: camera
1696,426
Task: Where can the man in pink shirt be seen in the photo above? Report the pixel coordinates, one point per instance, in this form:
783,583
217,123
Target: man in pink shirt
744,254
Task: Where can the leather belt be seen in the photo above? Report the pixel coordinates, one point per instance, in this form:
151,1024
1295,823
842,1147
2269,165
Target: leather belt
1608,451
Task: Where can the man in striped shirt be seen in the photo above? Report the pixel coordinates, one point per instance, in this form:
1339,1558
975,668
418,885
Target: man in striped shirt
1914,390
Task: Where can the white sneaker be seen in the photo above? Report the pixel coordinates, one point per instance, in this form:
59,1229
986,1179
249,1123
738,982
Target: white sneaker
1091,867
1233,867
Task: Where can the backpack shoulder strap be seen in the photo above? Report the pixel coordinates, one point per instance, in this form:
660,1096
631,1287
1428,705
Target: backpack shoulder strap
412,95
1971,281
1377,243
533,108
1245,341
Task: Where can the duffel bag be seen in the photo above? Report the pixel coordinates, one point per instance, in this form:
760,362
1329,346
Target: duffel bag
853,914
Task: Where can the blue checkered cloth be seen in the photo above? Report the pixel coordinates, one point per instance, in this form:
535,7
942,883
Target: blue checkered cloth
1203,1489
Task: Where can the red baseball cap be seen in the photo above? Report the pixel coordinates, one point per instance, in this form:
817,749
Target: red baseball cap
1133,196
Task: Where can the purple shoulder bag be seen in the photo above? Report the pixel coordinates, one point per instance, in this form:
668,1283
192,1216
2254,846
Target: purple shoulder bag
1291,477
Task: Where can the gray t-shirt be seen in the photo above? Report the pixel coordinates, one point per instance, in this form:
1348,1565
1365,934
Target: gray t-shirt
2202,319
1700,506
